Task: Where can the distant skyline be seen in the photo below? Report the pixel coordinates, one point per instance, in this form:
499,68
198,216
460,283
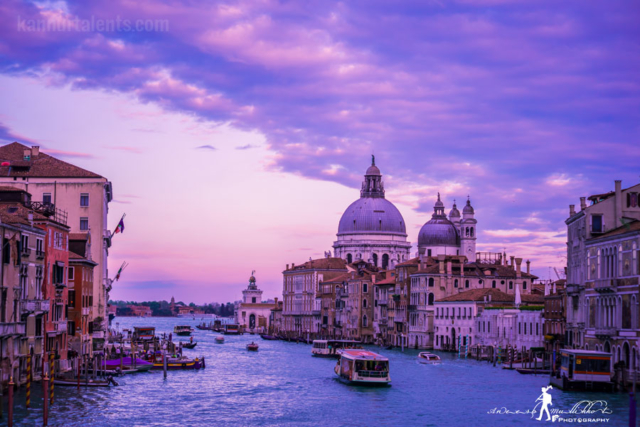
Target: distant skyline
237,136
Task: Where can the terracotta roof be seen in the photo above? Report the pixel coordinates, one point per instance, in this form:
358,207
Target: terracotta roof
15,213
322,264
338,279
42,165
496,296
477,269
388,281
6,188
631,226
412,261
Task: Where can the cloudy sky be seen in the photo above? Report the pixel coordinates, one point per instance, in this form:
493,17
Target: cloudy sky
236,133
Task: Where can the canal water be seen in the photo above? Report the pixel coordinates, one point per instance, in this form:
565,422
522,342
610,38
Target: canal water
283,385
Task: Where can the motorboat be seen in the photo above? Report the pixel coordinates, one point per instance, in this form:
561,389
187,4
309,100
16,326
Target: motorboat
183,330
189,345
362,367
252,347
429,358
220,339
269,337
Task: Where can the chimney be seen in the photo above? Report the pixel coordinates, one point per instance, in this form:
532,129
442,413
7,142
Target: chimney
292,265
512,261
449,267
287,266
373,279
583,203
518,266
572,210
528,266
618,203
276,300
489,298
504,258
35,150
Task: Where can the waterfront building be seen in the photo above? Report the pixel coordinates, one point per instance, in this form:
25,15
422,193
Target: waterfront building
555,303
400,299
359,305
605,212
140,310
80,301
252,313
383,294
329,304
488,317
22,300
300,287
372,229
84,195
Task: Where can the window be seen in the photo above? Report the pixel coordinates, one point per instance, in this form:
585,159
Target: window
364,288
364,303
510,285
431,282
365,321
597,225
349,258
466,283
253,300
84,223
46,199
84,200
6,251
71,272
493,284
72,299
455,283
428,252
524,285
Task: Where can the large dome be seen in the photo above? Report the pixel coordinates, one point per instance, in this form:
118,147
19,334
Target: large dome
372,215
438,232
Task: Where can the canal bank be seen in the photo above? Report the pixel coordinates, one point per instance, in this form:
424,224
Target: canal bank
282,384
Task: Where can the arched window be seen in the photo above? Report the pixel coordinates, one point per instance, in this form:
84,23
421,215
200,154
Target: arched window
431,282
385,261
365,321
471,232
364,303
432,298
349,258
375,259
466,283
455,283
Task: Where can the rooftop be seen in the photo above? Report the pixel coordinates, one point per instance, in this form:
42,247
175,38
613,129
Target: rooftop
496,296
38,164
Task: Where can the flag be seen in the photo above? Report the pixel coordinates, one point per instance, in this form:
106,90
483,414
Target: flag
122,267
120,227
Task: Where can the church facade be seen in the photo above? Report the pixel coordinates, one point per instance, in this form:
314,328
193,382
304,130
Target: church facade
252,314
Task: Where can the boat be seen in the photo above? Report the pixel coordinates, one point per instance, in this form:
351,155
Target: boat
252,347
429,358
268,337
143,333
174,363
70,382
331,348
231,329
183,330
584,370
362,367
527,371
127,364
219,340
189,345
389,347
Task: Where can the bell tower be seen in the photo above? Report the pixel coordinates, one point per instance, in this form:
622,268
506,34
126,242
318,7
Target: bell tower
252,295
468,232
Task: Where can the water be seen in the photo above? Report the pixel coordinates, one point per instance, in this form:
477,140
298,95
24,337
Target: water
283,385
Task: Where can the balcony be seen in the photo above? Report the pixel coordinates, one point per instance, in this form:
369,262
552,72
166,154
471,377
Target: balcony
400,315
383,321
12,329
605,333
382,301
98,335
605,286
25,252
341,293
34,306
413,307
39,254
86,311
61,326
49,210
315,312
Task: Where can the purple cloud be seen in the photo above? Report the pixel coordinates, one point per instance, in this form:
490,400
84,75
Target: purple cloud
206,147
523,105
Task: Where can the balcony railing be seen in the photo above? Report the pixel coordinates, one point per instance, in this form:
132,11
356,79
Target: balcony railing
61,326
34,305
25,252
11,329
400,315
382,301
413,307
606,332
86,311
605,285
315,312
49,210
39,254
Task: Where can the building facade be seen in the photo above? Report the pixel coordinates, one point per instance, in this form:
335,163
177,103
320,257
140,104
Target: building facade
252,313
80,278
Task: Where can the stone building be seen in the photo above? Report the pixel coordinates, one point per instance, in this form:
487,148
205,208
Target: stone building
372,229
84,195
80,302
252,313
555,314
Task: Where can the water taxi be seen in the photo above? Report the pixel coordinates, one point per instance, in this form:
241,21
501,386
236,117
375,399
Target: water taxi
219,340
178,363
143,333
231,329
584,369
429,358
183,330
362,367
252,347
331,348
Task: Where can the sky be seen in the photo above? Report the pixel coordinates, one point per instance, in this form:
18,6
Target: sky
236,133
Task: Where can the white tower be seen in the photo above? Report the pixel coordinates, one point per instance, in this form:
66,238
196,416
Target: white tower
252,295
468,232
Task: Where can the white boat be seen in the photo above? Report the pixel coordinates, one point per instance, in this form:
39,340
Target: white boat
362,367
219,339
331,348
429,358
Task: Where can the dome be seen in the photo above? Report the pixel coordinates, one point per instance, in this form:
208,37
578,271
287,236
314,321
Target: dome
372,215
454,213
438,232
373,170
468,209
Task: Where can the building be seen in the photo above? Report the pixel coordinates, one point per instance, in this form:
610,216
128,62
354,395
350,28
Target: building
359,304
372,229
84,195
382,323
22,301
80,303
330,301
300,289
252,313
517,327
398,305
275,319
555,314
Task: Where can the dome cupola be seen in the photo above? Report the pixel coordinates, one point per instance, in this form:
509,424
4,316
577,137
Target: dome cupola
439,231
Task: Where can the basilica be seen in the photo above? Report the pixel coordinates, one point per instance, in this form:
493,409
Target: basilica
372,229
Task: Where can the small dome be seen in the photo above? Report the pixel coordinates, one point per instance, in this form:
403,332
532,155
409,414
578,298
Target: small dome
252,279
373,170
438,232
468,209
455,213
